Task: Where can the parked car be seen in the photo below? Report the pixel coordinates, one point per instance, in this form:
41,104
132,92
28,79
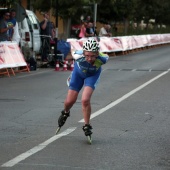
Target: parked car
29,30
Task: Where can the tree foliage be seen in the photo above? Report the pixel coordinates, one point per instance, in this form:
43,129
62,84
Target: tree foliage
7,3
153,9
66,8
108,10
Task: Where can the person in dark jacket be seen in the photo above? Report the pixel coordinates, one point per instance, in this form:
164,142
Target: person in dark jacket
46,34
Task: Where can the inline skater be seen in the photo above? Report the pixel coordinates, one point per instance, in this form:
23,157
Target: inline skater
87,70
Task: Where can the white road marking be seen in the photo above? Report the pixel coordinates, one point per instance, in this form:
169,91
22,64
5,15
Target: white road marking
109,106
37,148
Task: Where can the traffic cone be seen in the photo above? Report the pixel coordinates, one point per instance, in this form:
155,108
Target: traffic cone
72,66
57,66
65,66
66,62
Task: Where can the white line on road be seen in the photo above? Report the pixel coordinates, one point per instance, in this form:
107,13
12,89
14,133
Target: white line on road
109,106
37,148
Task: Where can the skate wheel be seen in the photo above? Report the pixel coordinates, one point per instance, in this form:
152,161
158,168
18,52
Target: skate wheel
89,139
58,129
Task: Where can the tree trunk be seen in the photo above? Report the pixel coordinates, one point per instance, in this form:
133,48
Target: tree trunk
126,24
67,28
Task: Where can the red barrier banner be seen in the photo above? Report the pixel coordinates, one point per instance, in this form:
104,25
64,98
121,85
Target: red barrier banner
10,55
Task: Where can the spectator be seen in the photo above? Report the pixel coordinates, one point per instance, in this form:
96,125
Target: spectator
53,31
46,33
109,30
11,21
83,29
88,18
4,27
104,31
14,33
90,30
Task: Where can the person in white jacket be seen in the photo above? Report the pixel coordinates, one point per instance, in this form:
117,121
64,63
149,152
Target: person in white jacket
16,36
105,31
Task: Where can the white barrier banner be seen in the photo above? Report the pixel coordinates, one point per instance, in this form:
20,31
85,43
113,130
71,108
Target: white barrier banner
117,44
137,42
114,44
75,44
166,38
10,55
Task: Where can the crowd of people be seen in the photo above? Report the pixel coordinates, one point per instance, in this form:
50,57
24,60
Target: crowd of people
9,27
9,30
88,29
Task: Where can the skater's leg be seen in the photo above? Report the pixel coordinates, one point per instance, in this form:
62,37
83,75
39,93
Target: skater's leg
86,108
70,100
90,85
86,105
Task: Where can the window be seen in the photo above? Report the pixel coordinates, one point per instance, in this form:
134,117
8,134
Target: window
33,21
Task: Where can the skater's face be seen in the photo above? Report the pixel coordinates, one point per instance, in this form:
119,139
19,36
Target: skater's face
90,56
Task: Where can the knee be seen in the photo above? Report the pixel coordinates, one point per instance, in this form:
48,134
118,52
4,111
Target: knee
70,101
85,102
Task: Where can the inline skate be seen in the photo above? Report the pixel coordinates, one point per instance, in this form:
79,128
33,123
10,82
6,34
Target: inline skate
87,128
62,119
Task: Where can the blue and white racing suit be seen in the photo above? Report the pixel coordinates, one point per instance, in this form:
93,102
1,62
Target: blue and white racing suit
85,73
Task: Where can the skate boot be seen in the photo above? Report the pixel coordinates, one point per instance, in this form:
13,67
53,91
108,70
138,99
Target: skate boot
62,119
87,131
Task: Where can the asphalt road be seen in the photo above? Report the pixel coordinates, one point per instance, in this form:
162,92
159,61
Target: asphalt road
131,118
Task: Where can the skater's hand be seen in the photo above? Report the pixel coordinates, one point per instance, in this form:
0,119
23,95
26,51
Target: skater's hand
77,54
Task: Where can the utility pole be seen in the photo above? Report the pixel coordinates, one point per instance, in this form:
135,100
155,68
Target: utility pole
56,19
95,13
56,23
